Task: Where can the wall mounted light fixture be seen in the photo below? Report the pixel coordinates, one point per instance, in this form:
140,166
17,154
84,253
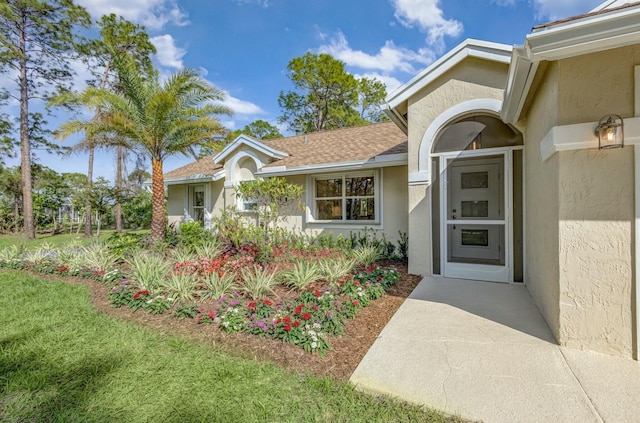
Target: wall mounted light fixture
610,131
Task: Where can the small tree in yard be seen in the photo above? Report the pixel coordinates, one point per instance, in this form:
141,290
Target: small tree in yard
274,198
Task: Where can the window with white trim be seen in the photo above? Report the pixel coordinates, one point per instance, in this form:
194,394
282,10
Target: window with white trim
349,197
196,199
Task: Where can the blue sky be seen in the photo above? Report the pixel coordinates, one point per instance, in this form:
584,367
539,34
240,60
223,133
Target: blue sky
243,46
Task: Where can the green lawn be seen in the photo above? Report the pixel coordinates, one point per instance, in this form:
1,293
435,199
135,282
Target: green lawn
60,361
59,240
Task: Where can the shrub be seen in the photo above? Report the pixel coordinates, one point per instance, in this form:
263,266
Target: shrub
258,282
180,285
303,274
210,248
12,252
99,257
147,269
192,234
186,311
217,286
125,242
403,246
335,269
366,256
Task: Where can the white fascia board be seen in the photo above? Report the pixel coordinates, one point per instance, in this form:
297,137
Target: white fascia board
521,74
582,136
468,48
591,34
219,175
395,117
249,142
387,160
609,4
189,179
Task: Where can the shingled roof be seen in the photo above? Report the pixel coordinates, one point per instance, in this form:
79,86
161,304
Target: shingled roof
204,167
340,145
334,146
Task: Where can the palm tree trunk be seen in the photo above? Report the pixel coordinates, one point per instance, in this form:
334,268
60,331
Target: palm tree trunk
157,212
87,216
118,208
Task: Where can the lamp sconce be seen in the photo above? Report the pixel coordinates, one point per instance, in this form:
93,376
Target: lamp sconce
610,132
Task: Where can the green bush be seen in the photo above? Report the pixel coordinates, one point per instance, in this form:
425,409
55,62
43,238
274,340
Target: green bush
125,242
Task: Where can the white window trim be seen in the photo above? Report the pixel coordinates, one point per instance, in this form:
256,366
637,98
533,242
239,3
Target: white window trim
190,199
344,224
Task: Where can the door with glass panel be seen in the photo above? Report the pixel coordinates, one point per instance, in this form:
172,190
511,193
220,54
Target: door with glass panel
475,218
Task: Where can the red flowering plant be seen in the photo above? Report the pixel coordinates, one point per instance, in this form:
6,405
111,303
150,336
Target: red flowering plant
205,317
139,299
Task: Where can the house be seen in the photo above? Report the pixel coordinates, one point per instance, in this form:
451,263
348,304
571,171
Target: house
354,178
501,178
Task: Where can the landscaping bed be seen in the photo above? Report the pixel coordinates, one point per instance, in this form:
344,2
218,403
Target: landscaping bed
339,362
312,309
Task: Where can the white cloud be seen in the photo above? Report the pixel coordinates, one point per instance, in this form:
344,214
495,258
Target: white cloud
241,107
428,17
167,53
154,14
558,9
390,58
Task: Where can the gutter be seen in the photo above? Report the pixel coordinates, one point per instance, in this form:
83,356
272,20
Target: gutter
388,160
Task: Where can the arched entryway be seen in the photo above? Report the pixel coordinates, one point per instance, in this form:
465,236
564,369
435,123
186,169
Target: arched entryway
477,197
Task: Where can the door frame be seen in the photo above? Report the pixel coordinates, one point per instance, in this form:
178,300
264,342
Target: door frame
504,273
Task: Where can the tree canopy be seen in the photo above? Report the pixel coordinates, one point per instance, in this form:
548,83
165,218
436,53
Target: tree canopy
326,96
157,119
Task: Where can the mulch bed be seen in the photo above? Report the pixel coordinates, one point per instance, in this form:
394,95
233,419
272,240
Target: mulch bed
339,363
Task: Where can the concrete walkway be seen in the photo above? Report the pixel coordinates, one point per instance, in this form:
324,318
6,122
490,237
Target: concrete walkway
483,351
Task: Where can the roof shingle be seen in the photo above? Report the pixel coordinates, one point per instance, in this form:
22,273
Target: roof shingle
333,146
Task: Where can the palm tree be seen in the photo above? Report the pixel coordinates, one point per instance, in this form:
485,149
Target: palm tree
157,119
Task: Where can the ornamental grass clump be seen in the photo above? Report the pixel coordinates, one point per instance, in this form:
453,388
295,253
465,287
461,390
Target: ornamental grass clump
258,282
100,257
43,253
303,274
333,270
12,253
366,255
217,285
208,249
148,270
180,285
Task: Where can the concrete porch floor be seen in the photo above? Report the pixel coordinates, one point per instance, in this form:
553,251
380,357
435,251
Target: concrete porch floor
483,351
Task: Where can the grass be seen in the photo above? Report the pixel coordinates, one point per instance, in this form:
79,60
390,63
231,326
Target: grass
58,240
61,361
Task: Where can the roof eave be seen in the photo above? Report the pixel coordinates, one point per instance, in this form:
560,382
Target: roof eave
250,142
618,28
196,178
385,160
468,48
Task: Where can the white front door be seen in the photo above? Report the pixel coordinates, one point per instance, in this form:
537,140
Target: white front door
475,219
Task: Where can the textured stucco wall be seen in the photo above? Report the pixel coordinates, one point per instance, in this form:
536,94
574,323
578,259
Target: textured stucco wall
176,199
175,203
471,79
541,204
596,214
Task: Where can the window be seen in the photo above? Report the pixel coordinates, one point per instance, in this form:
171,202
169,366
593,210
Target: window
197,203
345,198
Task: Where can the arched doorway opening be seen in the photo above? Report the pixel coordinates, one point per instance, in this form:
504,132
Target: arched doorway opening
477,198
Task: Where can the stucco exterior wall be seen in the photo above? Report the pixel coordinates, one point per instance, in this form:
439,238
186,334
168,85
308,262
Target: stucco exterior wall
176,203
596,207
177,199
471,79
541,184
